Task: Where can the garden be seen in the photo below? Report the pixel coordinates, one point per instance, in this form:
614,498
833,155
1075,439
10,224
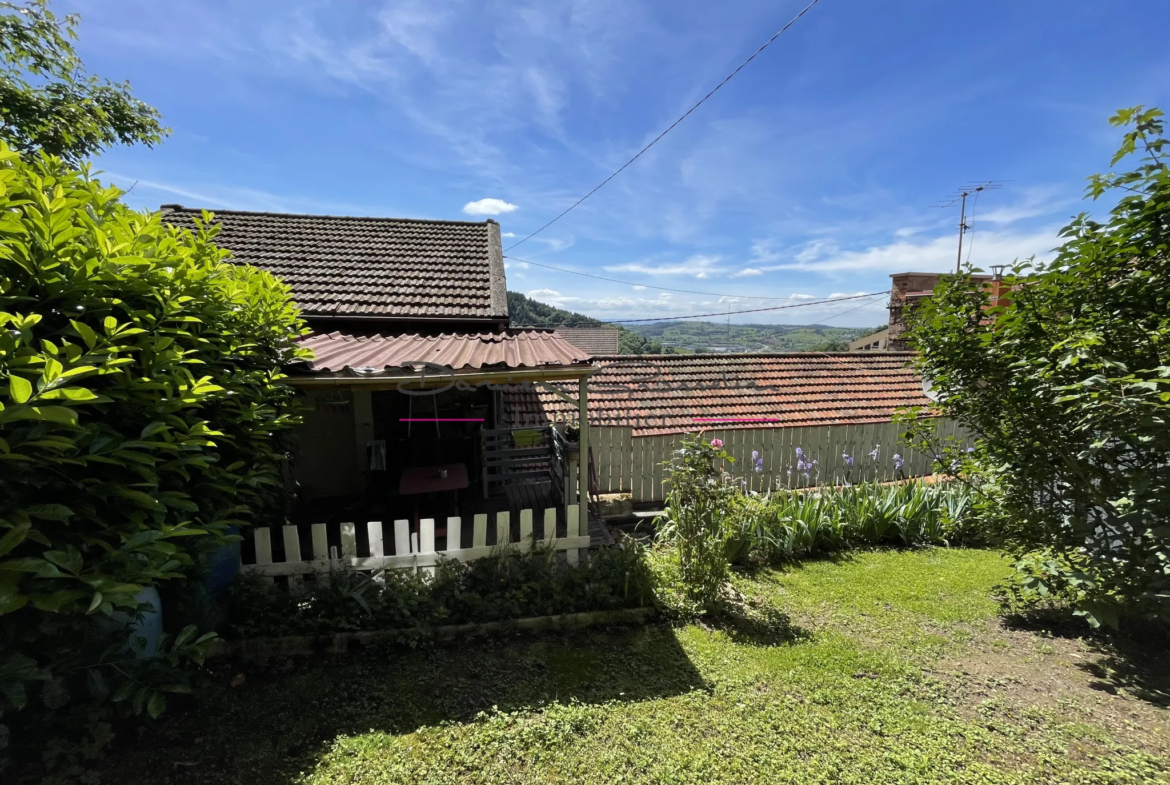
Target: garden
1004,621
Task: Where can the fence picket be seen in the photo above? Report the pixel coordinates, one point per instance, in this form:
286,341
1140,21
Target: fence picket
262,536
479,531
550,525
426,545
503,528
572,530
526,529
401,537
348,541
454,533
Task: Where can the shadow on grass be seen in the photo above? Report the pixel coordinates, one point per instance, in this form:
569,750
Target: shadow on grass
1132,660
276,723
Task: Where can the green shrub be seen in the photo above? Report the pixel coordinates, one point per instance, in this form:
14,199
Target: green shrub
141,410
1067,386
508,585
697,517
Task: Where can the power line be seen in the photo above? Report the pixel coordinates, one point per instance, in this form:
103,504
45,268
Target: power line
672,125
704,315
643,285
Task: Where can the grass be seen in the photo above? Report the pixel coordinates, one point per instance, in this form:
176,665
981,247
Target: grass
877,679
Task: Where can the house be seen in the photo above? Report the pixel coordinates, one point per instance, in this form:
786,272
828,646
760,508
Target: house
907,290
595,340
874,342
412,350
832,406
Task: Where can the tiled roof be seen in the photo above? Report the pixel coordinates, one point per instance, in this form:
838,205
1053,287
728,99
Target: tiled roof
514,349
369,267
662,394
595,340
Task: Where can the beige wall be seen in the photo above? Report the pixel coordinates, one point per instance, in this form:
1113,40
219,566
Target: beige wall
326,455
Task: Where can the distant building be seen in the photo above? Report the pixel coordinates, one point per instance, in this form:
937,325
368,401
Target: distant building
594,340
906,291
874,342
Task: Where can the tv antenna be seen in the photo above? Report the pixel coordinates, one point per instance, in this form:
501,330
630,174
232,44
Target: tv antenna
971,189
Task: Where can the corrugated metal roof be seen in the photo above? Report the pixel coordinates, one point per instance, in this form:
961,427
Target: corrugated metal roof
357,267
513,349
595,340
663,394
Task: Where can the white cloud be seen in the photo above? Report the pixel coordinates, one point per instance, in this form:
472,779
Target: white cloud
747,271
698,266
835,295
1036,202
930,255
509,265
802,297
507,234
639,288
488,207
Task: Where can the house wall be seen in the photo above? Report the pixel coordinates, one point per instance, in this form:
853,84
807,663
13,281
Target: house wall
326,458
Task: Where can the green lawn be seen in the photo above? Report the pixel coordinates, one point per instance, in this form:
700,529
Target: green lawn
892,669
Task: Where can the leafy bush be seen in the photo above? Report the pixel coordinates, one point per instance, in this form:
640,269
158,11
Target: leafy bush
1068,388
508,585
697,516
785,525
141,408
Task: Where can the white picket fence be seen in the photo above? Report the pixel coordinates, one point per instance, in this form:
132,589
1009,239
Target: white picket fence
411,550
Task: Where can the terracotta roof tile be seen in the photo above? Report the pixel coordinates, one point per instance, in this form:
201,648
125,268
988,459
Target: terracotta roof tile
340,266
514,349
663,394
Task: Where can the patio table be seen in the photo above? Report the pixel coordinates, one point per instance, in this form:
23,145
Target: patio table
418,480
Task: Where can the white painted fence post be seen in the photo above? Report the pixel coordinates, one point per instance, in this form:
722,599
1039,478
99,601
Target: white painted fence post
454,533
426,528
550,526
503,528
262,536
292,553
479,531
572,526
526,530
401,538
377,549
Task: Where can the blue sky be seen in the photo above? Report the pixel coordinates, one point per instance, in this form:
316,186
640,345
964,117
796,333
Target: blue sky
813,173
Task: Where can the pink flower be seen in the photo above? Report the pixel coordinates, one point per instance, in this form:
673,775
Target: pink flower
716,443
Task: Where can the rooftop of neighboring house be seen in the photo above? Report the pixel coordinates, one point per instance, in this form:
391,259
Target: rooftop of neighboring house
383,269
594,340
665,394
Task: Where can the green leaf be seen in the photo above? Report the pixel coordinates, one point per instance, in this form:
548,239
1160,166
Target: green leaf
13,537
110,324
156,705
19,388
52,512
73,394
86,333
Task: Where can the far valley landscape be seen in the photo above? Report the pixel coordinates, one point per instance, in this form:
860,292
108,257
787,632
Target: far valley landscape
690,337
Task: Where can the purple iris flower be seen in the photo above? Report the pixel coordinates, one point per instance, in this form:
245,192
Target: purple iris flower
874,454
898,462
970,449
759,465
799,453
848,458
755,454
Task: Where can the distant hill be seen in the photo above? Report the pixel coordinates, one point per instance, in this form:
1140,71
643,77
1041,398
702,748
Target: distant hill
526,312
694,337
712,337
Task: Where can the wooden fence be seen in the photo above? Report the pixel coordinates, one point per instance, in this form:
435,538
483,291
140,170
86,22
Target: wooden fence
411,550
630,464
